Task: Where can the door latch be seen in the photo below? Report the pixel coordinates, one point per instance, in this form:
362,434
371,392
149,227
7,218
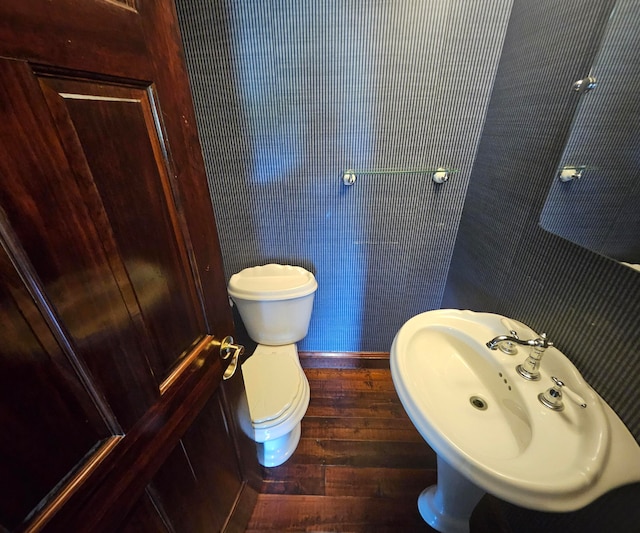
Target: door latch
229,349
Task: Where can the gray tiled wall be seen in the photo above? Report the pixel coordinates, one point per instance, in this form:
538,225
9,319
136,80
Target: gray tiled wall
504,262
289,94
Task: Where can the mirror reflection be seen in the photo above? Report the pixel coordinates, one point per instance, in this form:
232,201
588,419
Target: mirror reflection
594,200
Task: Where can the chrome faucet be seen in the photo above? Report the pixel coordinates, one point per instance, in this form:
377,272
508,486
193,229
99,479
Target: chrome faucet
506,343
530,369
552,397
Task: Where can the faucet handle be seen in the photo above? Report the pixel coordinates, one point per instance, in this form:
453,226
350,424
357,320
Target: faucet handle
542,342
552,397
573,396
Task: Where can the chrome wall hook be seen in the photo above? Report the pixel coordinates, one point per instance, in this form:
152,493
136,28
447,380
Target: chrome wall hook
441,175
585,85
349,178
571,173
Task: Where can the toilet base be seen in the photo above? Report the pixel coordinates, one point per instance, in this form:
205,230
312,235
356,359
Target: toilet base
275,452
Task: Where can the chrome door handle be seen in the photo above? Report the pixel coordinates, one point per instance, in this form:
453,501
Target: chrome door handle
229,349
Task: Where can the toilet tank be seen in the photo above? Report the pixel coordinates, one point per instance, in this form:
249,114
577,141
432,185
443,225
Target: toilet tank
274,301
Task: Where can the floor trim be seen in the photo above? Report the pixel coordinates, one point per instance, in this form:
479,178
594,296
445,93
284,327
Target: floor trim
344,359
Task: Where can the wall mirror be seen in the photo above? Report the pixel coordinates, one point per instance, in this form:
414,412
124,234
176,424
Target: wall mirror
594,200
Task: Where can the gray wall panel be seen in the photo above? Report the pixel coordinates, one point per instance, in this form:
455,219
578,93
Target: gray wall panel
289,94
504,262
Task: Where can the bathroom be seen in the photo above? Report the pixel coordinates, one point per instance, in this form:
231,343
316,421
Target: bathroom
289,95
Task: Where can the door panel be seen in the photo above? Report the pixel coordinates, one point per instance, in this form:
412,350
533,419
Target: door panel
146,518
107,493
113,296
49,420
90,36
190,466
113,128
46,209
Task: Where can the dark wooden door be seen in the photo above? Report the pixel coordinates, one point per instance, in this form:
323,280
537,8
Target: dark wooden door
112,301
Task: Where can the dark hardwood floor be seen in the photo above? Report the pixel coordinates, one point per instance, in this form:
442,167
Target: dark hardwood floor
360,464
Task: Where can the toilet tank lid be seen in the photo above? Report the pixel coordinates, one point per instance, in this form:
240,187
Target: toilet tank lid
272,282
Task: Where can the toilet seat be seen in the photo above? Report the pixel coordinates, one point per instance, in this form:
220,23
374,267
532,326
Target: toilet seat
285,413
280,405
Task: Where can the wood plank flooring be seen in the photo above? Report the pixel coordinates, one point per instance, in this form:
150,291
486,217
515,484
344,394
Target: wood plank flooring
360,464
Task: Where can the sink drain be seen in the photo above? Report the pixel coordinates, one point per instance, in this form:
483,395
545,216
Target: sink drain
478,402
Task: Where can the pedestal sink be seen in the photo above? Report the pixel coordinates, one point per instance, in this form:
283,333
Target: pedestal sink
488,427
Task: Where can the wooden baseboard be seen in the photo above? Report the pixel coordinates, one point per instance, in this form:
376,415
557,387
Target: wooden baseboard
344,359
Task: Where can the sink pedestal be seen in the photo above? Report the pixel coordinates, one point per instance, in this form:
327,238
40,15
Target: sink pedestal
448,505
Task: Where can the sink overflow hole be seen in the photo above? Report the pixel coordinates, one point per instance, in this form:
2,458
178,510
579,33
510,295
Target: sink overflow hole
478,402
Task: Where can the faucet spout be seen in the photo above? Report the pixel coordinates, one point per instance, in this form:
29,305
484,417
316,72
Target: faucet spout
530,369
539,342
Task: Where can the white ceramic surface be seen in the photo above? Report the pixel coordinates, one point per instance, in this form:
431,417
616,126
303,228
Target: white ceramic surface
277,391
516,448
274,301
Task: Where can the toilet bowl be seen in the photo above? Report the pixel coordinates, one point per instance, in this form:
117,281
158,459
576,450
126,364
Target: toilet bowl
277,398
275,303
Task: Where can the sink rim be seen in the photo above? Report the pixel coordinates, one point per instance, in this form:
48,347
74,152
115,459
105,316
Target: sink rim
506,478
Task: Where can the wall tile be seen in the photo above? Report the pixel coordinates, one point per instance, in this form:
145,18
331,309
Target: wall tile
289,94
504,262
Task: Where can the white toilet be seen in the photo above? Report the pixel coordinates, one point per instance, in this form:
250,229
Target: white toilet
275,303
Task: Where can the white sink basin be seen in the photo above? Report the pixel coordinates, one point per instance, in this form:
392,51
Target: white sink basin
485,420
